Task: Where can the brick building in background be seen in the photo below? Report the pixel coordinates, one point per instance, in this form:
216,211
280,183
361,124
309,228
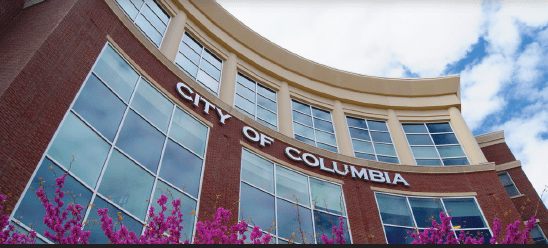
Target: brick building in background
179,95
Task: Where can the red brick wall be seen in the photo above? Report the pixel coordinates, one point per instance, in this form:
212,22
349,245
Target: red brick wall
8,10
25,34
529,204
35,102
498,153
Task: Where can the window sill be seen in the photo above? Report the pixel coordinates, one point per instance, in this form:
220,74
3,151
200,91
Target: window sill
516,196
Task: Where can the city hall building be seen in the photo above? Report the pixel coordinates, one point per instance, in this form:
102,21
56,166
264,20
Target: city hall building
138,98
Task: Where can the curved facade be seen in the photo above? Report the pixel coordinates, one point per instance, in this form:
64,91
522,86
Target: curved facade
179,95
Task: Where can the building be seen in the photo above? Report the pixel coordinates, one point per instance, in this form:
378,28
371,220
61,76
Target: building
179,95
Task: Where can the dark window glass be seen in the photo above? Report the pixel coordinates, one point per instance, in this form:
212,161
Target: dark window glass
377,125
478,234
365,156
97,234
294,219
433,162
117,73
455,161
398,235
444,139
323,125
304,119
188,207
353,122
321,114
359,134
388,159
181,168
31,210
141,141
425,210
439,127
90,151
303,139
394,210
381,137
325,222
257,205
301,107
327,147
465,213
414,128
127,184
104,114
419,139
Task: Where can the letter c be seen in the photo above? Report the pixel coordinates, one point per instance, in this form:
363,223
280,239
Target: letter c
181,93
288,153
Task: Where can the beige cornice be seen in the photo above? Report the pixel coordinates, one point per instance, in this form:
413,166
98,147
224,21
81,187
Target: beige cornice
252,47
507,166
489,139
431,194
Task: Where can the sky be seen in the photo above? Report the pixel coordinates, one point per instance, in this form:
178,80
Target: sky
499,49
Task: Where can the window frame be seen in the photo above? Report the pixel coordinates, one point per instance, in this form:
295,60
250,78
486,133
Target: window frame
139,12
113,146
445,211
433,143
542,233
371,141
199,65
276,197
511,180
256,102
293,121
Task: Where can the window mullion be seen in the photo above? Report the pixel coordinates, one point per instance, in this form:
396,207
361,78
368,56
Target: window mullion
94,191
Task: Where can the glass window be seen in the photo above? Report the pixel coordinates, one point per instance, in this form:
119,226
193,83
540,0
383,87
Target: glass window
149,16
371,140
93,131
508,184
315,125
116,73
400,214
137,184
90,151
199,63
31,210
257,101
141,141
153,105
434,144
104,115
538,236
295,198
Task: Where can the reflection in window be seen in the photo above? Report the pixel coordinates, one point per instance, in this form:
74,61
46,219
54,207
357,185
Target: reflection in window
313,126
538,236
400,214
199,63
508,184
148,16
371,140
276,199
118,144
256,101
434,144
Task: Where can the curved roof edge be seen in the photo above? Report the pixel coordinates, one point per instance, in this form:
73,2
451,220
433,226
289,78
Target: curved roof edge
219,18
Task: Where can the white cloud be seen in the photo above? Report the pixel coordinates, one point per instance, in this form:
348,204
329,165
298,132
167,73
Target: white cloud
523,136
481,88
368,37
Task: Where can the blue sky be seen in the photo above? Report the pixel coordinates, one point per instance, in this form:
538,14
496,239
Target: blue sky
499,49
